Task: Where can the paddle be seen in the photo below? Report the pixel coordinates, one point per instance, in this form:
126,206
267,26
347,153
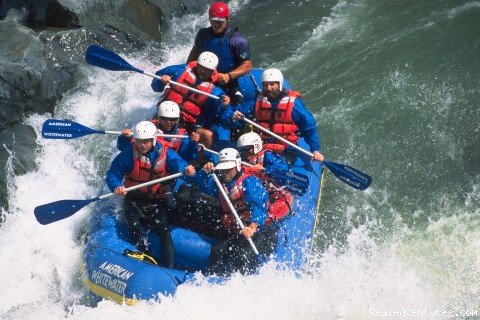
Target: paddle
293,181
65,129
234,212
106,59
351,176
58,210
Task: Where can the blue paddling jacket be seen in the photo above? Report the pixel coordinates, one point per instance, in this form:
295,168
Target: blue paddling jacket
254,194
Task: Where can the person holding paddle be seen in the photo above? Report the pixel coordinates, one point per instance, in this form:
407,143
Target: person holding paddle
259,155
280,111
168,115
230,46
146,159
251,201
198,112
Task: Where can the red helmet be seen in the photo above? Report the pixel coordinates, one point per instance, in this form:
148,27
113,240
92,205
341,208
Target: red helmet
219,10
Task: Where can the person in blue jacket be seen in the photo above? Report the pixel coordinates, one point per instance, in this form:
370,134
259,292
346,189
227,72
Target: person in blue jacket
198,112
278,110
251,201
231,47
146,159
268,156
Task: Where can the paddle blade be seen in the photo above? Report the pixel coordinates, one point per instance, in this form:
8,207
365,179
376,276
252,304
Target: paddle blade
351,176
59,210
64,129
294,182
106,59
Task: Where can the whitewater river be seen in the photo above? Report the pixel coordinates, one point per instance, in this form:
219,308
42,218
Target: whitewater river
394,86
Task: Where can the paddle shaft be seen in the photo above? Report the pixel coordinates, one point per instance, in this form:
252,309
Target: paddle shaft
106,59
158,135
259,127
181,85
349,175
145,184
215,152
234,212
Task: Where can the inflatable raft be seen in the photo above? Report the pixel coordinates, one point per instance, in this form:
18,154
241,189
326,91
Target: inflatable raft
112,273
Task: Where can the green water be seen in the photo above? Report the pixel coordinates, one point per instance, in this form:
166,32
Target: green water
394,86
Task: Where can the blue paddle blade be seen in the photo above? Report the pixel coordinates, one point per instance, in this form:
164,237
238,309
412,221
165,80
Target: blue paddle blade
64,129
106,59
294,182
351,176
58,210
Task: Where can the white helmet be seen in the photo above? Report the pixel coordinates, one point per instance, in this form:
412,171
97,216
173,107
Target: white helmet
273,75
168,109
208,60
229,158
145,130
250,139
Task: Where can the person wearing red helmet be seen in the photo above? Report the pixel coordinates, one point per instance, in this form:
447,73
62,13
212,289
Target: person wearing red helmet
231,47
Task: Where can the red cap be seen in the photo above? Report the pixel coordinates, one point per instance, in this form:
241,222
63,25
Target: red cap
219,11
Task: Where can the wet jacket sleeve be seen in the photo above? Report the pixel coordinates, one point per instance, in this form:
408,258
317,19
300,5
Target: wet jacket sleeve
306,125
173,71
240,48
123,142
122,164
211,109
274,161
188,150
205,183
174,162
246,108
256,198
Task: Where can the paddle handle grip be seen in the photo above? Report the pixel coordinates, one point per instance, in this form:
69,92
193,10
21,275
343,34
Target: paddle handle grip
182,86
232,209
145,184
215,152
259,127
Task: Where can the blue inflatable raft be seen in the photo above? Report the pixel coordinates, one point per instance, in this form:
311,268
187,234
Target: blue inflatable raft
112,274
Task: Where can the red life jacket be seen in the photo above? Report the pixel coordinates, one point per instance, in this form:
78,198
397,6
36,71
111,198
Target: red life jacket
278,207
281,122
175,143
259,158
190,102
143,171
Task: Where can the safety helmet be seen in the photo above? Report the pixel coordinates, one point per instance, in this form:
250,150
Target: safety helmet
168,109
228,158
208,60
218,11
145,130
273,75
250,139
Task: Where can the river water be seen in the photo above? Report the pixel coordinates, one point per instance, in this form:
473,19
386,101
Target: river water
394,86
